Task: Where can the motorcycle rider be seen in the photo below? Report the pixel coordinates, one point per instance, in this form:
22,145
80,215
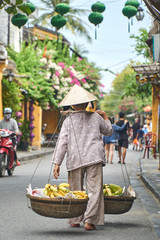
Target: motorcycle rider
11,124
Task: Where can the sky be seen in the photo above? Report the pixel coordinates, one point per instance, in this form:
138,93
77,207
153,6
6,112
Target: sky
113,48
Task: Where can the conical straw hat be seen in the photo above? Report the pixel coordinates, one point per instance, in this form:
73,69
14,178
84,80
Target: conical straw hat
77,95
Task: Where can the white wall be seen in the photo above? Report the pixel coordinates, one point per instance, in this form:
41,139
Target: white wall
14,33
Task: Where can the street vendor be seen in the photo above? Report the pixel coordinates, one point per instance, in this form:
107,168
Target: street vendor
81,139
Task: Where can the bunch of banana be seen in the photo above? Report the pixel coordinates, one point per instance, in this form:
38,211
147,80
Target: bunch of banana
56,191
80,194
112,190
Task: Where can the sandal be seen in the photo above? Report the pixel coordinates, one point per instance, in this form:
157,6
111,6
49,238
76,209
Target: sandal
89,226
75,225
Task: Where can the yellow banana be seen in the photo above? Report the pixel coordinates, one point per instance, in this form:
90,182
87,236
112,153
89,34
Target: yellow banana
82,193
61,193
52,195
64,185
108,190
47,185
63,189
56,194
45,191
53,189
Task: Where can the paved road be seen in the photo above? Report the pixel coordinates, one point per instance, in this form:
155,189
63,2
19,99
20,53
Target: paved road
18,222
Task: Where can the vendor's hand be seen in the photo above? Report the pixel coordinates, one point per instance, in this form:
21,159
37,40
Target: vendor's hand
56,171
17,133
103,114
125,121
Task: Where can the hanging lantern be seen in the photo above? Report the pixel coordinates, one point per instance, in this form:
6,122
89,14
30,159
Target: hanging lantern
31,7
140,14
62,8
98,7
58,21
19,20
95,18
129,11
133,3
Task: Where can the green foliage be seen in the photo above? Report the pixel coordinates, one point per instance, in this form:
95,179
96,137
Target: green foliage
28,63
24,129
11,96
141,46
12,7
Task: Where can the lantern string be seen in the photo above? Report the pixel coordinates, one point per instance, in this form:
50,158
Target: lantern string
129,26
95,33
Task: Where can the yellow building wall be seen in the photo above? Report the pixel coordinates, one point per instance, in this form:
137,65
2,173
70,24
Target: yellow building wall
37,113
155,103
2,66
51,118
43,34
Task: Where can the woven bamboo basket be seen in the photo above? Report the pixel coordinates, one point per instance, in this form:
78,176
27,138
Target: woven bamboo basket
117,204
58,207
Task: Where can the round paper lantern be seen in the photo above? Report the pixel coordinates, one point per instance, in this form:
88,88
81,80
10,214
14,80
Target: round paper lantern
95,18
129,11
98,7
133,3
19,20
58,21
31,6
62,8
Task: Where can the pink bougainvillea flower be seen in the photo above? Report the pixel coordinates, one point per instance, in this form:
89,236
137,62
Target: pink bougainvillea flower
57,73
80,59
78,83
34,87
73,66
102,85
61,64
41,88
83,80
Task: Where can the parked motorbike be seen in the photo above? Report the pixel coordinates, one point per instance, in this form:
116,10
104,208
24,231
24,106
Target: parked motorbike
7,152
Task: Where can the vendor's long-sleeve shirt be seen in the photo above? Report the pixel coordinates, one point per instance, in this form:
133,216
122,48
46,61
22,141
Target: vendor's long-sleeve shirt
81,138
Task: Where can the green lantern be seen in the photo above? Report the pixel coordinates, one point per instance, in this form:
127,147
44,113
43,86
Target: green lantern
58,21
95,18
129,11
133,3
31,6
98,7
62,8
19,20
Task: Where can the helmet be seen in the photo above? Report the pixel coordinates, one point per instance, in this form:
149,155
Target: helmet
7,113
7,110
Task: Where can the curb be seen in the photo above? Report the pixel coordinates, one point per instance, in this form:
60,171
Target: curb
149,183
150,186
34,156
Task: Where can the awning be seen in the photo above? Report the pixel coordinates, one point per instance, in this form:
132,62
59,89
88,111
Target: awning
148,108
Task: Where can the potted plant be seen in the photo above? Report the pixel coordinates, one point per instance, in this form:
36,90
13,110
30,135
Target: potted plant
25,131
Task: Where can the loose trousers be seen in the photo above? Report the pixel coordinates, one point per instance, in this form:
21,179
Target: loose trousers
94,185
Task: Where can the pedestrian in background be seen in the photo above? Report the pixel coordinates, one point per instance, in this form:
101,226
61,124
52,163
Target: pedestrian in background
145,129
140,138
110,141
81,139
123,138
135,128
